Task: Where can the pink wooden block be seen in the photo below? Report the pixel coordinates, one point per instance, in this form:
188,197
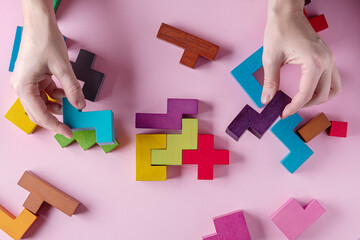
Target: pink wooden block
231,226
292,219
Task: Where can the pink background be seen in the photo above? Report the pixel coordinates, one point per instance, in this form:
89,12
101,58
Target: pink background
142,72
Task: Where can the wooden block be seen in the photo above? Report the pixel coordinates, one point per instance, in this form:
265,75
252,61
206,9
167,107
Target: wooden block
231,226
206,157
194,46
101,121
338,129
314,127
84,72
18,116
13,226
175,143
318,23
16,47
109,148
258,124
56,5
307,2
144,170
292,219
299,151
41,191
244,76
176,108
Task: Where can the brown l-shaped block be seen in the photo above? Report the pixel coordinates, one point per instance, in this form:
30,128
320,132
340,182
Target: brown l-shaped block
314,127
194,46
41,191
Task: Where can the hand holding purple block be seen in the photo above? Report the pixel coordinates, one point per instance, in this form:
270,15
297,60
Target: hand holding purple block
176,108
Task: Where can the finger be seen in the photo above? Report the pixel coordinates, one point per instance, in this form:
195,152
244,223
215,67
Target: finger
71,86
27,111
336,86
43,118
308,82
322,90
54,92
54,108
271,79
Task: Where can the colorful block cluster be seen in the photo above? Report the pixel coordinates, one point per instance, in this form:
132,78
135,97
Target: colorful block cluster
156,151
40,192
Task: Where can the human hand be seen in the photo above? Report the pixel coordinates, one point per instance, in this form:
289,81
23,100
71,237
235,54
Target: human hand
42,54
290,39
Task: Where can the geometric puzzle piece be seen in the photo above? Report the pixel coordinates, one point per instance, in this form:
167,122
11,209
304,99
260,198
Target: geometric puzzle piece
13,226
299,151
41,191
56,5
231,226
18,116
83,71
292,219
257,123
109,148
194,46
176,108
175,143
318,23
314,127
144,144
16,47
101,121
338,129
206,157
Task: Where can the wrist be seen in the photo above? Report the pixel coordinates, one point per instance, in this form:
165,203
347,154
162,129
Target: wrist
38,13
285,7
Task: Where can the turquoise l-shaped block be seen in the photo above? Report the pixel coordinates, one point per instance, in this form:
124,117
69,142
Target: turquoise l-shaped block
283,129
16,46
101,121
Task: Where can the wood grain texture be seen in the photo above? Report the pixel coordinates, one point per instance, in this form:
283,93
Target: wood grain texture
41,191
194,46
314,127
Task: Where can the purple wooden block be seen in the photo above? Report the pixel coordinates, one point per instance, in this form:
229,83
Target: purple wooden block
257,123
176,108
231,226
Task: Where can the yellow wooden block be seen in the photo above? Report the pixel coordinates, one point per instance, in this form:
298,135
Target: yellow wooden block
13,226
18,116
175,143
144,144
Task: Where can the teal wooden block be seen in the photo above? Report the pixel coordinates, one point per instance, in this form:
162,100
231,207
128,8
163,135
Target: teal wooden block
16,46
299,151
101,121
244,76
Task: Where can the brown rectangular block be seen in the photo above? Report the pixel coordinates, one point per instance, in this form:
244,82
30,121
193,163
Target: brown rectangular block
194,46
314,127
41,191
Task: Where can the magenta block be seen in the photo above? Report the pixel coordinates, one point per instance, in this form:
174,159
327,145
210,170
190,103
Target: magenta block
231,226
176,108
292,219
258,123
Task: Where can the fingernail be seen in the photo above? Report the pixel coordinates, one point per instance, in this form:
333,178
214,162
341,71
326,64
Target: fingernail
265,98
81,103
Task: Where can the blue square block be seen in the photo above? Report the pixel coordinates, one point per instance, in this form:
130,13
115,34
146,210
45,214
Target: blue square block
101,121
299,151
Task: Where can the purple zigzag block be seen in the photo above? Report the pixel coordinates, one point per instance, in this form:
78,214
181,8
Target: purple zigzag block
258,123
176,108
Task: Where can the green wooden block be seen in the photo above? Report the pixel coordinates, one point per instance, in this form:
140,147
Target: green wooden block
63,141
175,143
56,4
109,148
86,139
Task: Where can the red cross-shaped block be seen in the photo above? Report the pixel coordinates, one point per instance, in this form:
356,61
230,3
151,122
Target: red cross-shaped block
206,157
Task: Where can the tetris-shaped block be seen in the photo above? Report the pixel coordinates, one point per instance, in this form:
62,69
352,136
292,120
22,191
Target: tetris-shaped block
84,72
56,5
257,123
194,46
231,226
299,151
19,118
144,170
86,140
13,226
101,121
292,219
16,47
318,23
206,157
41,191
176,108
338,129
175,143
314,127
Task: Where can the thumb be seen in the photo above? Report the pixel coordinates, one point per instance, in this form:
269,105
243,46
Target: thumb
71,86
271,80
